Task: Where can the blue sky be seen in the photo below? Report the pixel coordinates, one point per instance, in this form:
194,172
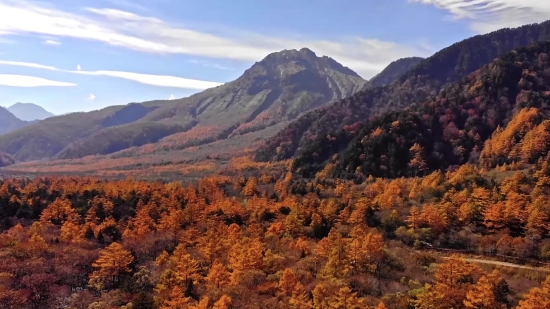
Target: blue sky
82,55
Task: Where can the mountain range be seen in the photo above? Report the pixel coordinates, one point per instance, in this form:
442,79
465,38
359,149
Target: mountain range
327,111
279,88
317,136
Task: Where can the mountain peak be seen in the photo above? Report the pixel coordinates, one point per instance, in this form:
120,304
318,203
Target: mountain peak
29,111
308,52
306,58
290,54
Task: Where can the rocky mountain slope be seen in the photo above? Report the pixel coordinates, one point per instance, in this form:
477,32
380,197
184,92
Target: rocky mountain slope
29,111
279,88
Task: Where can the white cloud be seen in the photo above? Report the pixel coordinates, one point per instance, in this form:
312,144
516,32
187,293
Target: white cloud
91,97
489,15
78,67
51,42
209,64
29,81
155,80
152,35
148,79
28,64
172,97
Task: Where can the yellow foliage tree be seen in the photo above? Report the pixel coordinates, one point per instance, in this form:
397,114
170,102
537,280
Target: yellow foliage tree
113,261
537,298
218,276
482,294
452,282
288,282
337,265
176,300
223,303
345,298
58,212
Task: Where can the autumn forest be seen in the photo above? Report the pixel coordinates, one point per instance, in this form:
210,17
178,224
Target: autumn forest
274,242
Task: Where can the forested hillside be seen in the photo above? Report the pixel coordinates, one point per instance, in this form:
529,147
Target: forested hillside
342,119
450,128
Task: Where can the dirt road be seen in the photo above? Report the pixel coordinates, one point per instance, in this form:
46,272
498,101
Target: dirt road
481,261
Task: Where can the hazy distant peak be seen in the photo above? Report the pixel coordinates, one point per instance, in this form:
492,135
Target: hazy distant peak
29,111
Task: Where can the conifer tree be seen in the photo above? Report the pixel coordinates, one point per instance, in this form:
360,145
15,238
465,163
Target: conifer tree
113,262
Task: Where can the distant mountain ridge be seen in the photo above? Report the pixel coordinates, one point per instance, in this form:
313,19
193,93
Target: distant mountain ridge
278,88
393,71
8,122
29,111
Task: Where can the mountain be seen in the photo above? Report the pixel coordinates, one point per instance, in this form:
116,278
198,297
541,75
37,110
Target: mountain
8,121
452,127
278,88
393,71
29,111
307,138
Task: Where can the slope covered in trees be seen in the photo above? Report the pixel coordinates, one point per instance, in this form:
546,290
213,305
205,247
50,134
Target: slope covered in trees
450,128
341,119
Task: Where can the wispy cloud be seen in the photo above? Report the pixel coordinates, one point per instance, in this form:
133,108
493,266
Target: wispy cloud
148,79
128,5
489,15
172,97
155,80
91,97
51,42
152,35
28,64
30,81
209,64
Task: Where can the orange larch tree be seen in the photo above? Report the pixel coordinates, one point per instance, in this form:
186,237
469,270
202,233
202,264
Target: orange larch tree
113,262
